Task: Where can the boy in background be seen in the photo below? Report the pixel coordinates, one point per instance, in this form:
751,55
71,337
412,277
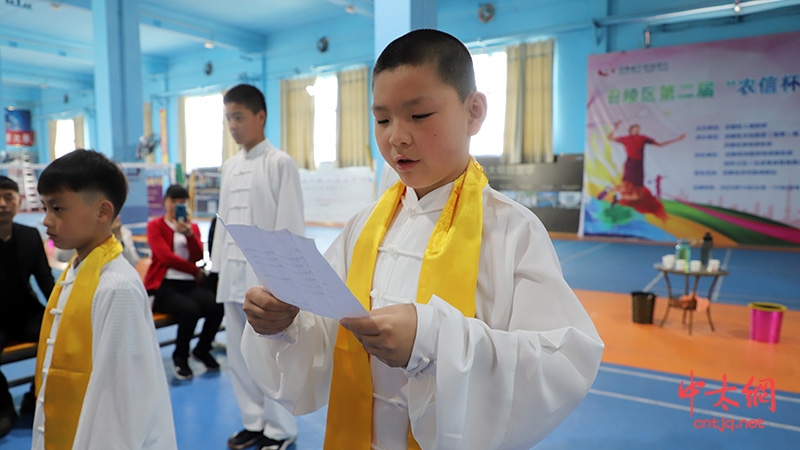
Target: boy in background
473,340
260,185
99,370
21,255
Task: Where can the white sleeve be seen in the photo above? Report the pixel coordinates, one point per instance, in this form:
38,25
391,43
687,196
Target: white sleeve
295,367
508,385
127,398
129,246
289,212
217,239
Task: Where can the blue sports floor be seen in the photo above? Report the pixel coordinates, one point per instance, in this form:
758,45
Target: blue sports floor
756,275
627,408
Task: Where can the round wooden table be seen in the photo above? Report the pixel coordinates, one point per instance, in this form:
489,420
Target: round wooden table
690,306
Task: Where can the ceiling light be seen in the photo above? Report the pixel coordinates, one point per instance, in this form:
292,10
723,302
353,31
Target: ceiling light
350,9
736,7
209,45
55,6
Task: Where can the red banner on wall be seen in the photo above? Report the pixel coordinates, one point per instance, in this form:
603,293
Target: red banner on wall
20,138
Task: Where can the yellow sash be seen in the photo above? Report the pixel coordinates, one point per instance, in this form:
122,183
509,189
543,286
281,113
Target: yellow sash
449,270
71,364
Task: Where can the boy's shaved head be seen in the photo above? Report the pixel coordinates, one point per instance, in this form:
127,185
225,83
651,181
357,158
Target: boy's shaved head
445,53
247,95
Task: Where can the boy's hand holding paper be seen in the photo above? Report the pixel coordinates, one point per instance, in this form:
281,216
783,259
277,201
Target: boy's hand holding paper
266,314
387,334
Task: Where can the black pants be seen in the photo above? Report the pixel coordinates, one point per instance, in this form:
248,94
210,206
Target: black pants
24,327
188,302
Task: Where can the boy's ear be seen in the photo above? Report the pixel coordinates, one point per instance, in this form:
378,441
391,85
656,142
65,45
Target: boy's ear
262,116
105,212
476,102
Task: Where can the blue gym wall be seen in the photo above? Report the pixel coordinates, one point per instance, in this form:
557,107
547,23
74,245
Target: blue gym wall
293,52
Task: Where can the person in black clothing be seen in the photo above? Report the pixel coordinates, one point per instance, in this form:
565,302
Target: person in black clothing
21,255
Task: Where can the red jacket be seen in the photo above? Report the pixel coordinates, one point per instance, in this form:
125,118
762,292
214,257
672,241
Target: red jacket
160,238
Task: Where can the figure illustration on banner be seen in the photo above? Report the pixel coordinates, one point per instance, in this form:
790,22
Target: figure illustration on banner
632,191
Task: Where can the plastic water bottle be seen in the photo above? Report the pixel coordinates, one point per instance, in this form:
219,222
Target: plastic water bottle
706,249
683,251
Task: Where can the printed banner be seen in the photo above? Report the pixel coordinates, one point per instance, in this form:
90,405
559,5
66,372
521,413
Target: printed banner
703,137
18,128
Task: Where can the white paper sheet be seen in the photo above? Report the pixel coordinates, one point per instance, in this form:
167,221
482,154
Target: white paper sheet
293,270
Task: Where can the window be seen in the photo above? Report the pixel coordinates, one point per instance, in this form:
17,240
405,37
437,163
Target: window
65,137
204,131
326,96
490,76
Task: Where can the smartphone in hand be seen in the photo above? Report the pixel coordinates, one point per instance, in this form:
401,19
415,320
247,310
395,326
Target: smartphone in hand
180,212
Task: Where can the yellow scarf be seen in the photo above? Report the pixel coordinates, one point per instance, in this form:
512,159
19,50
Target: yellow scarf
71,364
449,270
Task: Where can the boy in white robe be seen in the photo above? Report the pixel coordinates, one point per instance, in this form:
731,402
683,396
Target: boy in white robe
99,370
474,339
260,186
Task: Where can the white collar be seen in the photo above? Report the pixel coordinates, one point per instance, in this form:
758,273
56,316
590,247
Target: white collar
259,149
432,201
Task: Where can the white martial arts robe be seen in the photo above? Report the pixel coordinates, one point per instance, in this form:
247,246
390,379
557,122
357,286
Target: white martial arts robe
260,187
503,380
127,403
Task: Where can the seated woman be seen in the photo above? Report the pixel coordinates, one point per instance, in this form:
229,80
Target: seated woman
176,281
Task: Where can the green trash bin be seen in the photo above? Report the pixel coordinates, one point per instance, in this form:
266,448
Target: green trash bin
643,305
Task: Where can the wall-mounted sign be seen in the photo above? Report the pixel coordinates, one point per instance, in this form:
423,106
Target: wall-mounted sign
18,128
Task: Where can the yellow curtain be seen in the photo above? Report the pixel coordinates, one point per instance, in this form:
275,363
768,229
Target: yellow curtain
529,103
352,146
182,132
147,118
229,145
297,121
52,128
77,122
147,127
